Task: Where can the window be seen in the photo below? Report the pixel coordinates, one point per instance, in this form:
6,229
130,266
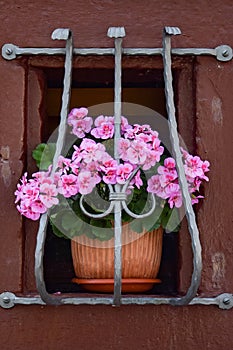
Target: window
142,84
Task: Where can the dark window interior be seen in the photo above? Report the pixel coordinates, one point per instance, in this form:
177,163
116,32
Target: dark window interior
90,87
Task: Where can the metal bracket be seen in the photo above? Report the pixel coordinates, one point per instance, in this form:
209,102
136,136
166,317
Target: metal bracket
8,300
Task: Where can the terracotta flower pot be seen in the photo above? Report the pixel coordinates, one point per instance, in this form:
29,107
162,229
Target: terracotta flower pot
141,255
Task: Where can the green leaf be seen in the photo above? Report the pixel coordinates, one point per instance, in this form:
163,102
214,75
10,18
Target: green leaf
136,225
100,223
126,217
102,229
43,155
70,220
103,235
171,220
56,231
151,223
78,211
66,223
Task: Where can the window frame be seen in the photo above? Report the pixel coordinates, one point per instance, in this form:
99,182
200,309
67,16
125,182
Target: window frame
183,69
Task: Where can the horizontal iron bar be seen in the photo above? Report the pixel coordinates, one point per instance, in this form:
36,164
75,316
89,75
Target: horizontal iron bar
222,52
223,301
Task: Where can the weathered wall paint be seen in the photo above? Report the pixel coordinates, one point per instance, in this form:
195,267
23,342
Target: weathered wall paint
214,141
204,24
126,328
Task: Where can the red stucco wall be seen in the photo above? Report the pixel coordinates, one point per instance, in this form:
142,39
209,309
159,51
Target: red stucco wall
204,24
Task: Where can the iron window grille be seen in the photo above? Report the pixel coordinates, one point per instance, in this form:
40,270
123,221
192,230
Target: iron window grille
117,194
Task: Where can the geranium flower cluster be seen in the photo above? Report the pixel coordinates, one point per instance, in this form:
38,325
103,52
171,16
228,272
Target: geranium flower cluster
139,147
36,195
165,184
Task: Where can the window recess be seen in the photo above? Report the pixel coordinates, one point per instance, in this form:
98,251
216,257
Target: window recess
223,53
90,87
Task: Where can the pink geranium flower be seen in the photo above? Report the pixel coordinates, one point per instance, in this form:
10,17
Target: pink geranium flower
169,163
136,181
80,123
28,194
28,212
68,185
104,127
37,207
165,184
110,175
77,154
93,168
175,200
92,151
109,168
137,152
86,183
48,195
152,158
81,127
123,172
76,114
64,163
154,186
123,146
125,126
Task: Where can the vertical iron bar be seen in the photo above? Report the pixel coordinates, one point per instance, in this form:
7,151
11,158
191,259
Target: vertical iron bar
117,207
117,33
67,81
60,34
117,96
193,229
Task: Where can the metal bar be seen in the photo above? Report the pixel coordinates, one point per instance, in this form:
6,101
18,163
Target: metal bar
223,301
222,52
196,246
59,34
118,33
